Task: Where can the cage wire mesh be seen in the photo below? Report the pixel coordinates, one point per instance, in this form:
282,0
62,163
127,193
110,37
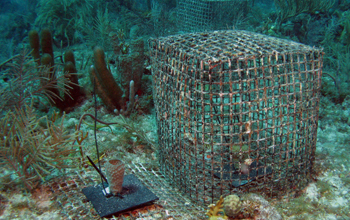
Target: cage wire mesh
236,112
68,196
204,15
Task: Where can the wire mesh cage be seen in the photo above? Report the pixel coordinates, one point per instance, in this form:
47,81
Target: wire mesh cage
204,15
236,112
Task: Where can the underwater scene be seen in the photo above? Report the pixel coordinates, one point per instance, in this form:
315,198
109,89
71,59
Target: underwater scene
174,109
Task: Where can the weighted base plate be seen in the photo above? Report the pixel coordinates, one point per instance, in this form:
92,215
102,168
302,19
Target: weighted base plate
134,194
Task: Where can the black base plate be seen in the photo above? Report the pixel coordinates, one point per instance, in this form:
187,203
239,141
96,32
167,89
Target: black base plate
134,193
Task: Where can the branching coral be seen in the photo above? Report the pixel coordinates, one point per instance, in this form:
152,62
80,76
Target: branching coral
216,211
46,58
31,147
105,33
23,81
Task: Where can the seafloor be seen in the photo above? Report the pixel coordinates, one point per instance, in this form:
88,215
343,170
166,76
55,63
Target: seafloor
61,198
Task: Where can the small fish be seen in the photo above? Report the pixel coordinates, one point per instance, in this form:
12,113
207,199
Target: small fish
208,156
95,161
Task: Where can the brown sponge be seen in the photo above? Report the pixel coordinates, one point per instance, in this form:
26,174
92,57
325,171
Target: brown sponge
34,43
106,87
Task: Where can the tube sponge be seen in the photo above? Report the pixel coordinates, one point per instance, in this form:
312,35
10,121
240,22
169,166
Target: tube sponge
71,76
115,175
46,43
73,87
106,87
69,56
34,43
131,97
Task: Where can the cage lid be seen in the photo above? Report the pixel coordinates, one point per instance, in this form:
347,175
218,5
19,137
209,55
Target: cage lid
229,44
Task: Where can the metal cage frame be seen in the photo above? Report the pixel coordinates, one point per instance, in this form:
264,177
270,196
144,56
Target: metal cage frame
236,112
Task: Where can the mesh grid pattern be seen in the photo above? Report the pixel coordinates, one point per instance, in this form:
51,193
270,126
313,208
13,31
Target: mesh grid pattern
193,14
67,194
236,112
204,15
